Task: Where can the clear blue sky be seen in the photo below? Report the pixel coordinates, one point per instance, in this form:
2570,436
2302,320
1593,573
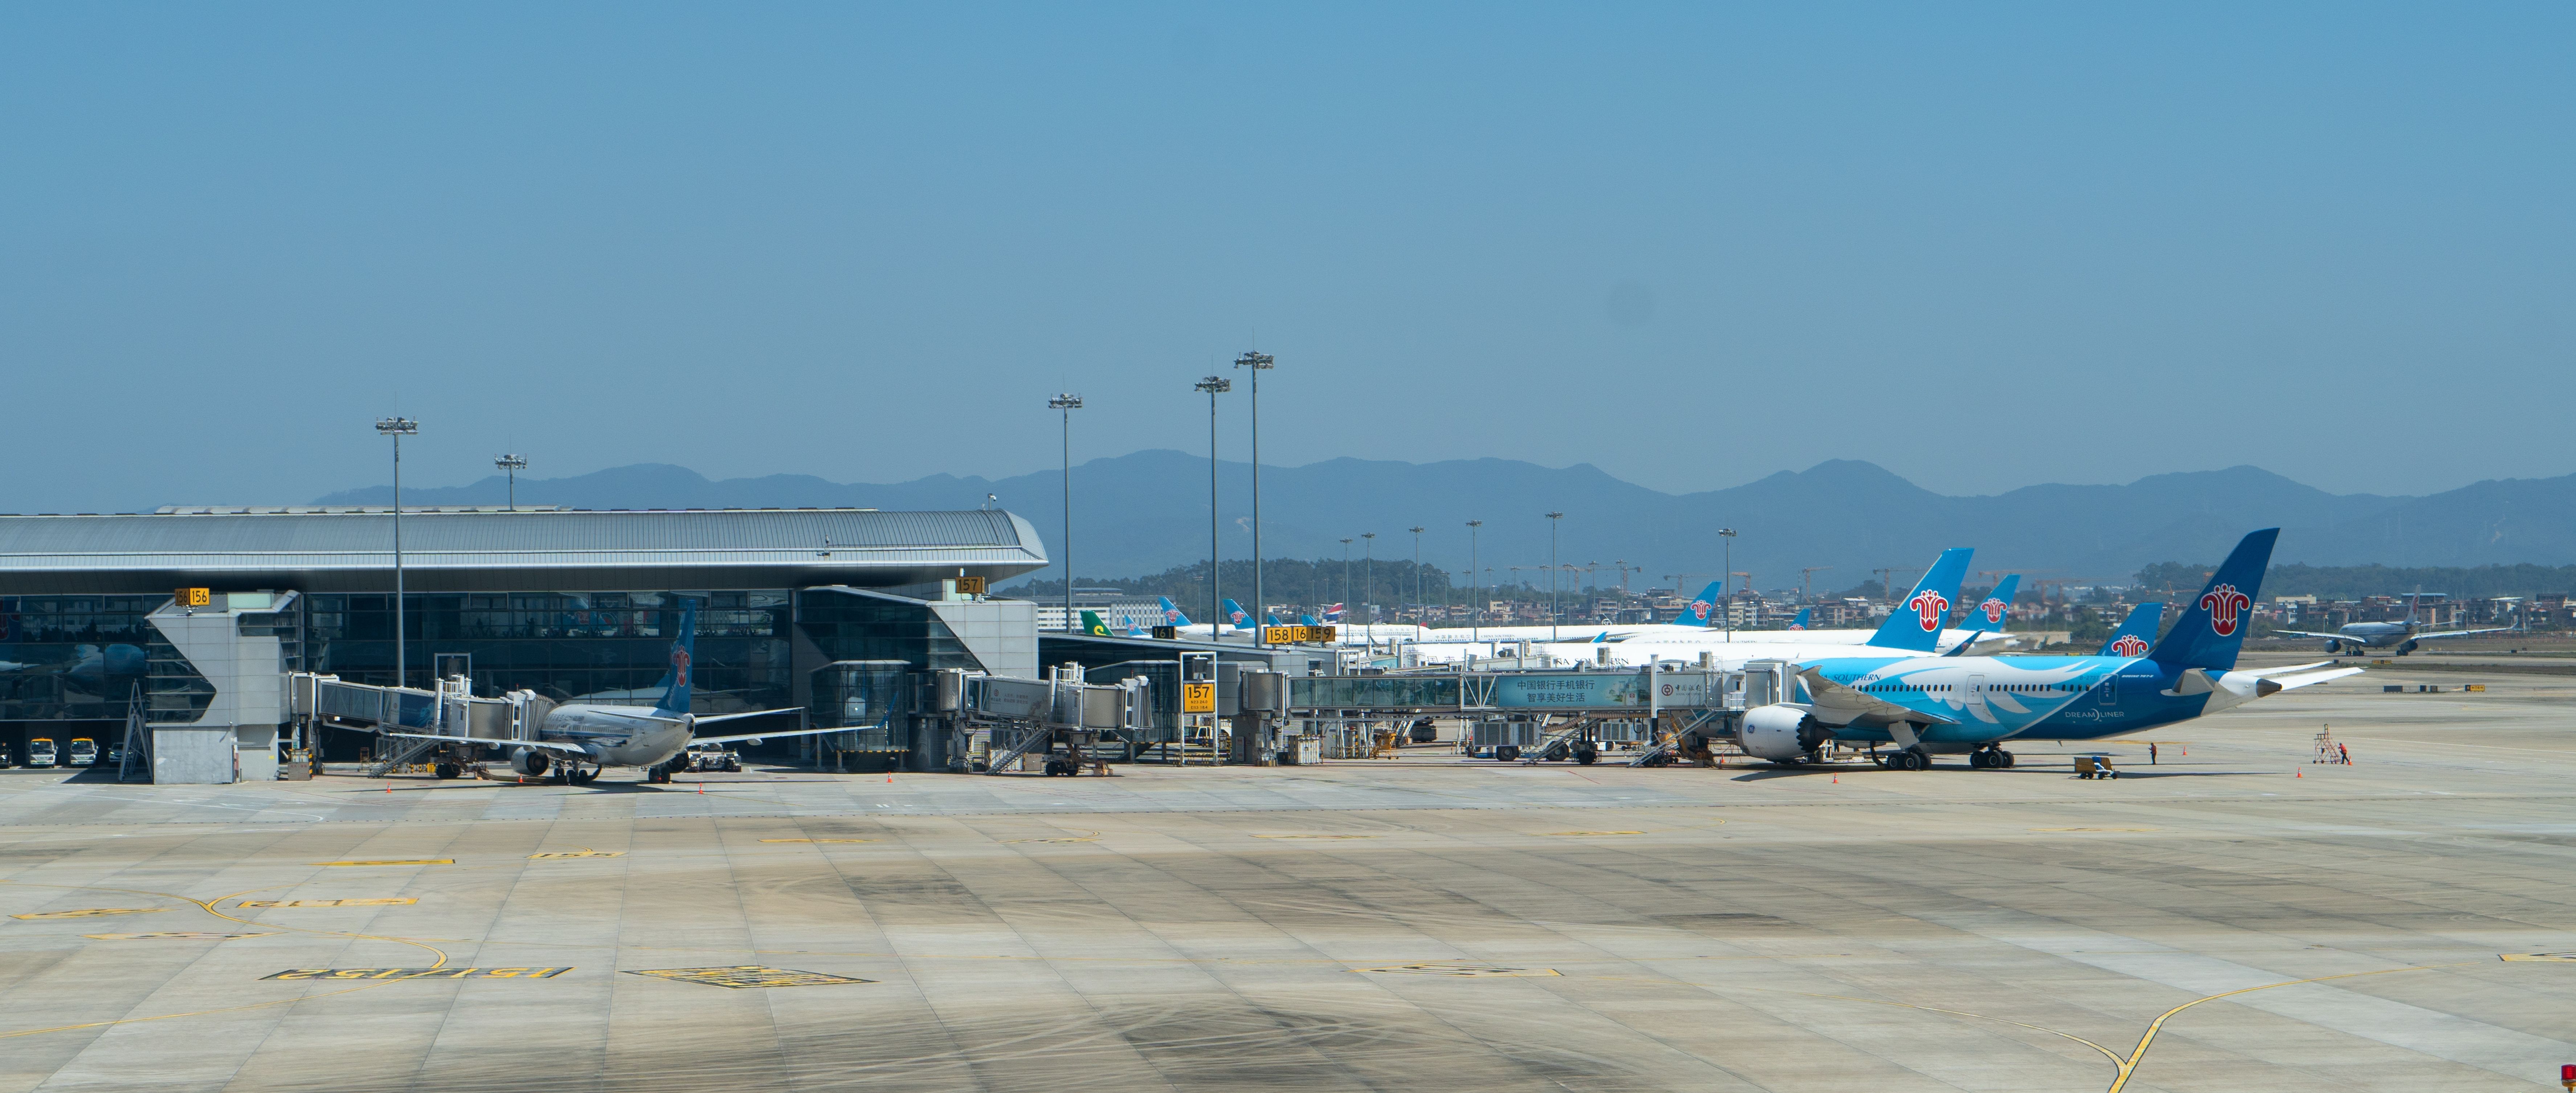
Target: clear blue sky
1981,245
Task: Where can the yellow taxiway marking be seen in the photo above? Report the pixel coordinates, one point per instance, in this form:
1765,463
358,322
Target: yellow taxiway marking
2130,1065
177,935
406,861
418,973
398,901
583,853
208,906
2569,958
94,912
821,840
748,976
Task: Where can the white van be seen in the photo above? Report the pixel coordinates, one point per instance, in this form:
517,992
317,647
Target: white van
84,751
40,752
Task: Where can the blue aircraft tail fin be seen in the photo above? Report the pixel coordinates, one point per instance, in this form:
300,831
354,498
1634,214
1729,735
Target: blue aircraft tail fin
1990,614
1307,620
1918,618
2137,633
1172,615
1800,623
1702,610
1236,616
675,682
2212,628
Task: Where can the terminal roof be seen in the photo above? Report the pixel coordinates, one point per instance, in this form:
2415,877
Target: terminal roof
320,549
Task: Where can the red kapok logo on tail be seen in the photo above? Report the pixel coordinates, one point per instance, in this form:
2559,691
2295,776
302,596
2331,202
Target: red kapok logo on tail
2226,605
2129,645
1930,608
1699,609
679,666
1994,609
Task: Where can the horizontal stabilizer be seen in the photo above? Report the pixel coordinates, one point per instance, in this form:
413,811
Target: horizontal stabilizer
2292,683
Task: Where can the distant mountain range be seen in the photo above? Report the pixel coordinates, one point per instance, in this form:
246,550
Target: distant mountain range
1144,512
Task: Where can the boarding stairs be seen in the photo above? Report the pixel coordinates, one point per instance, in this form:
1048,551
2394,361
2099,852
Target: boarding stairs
398,758
134,759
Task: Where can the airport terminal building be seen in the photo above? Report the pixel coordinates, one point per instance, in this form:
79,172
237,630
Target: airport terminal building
798,608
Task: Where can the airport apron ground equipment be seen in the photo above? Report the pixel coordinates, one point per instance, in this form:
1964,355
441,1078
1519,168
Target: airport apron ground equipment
1557,713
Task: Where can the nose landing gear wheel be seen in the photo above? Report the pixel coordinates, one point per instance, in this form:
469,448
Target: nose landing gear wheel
1587,757
445,769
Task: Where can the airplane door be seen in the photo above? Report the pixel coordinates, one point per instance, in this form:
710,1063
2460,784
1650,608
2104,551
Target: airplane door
1976,698
2108,693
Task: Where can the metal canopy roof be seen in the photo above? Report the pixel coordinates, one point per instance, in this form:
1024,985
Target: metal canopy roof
324,550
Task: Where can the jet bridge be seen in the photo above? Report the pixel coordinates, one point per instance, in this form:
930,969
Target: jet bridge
1037,717
450,712
1513,711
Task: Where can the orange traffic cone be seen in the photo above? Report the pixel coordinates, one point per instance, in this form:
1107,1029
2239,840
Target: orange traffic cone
1838,778
702,789
2301,773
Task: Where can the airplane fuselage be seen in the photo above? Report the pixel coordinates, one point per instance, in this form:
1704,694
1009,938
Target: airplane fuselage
615,737
2043,698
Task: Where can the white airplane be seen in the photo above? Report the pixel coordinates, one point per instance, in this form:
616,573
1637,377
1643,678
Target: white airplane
603,736
1915,632
1696,617
1984,625
2353,637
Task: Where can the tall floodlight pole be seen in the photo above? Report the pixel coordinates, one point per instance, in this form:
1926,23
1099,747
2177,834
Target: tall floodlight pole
1368,571
1259,363
1728,534
1475,610
512,463
397,428
1417,574
1553,615
1214,386
1066,405
1346,575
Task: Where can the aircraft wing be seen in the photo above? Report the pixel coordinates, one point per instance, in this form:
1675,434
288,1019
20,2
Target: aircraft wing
2286,669
2310,634
2292,683
742,736
747,713
1834,699
637,716
2429,635
558,746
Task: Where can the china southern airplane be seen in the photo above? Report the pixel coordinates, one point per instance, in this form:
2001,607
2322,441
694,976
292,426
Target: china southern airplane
1981,629
575,734
2136,634
1697,617
1975,705
2353,637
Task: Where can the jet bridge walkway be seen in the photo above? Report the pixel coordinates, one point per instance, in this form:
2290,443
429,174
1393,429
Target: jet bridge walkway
1512,710
450,712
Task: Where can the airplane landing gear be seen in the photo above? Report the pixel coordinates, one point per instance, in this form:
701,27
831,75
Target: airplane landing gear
1990,758
1908,759
447,768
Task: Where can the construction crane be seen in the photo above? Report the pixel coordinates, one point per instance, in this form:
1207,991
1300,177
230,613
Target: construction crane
1803,573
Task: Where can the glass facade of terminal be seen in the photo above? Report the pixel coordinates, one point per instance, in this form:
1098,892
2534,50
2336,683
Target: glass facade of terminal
73,658
611,647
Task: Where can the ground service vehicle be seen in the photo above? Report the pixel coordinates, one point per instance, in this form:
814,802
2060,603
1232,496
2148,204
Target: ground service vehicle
84,751
40,752
707,757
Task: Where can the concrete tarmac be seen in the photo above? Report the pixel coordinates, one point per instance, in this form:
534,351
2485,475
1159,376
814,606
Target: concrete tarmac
2230,918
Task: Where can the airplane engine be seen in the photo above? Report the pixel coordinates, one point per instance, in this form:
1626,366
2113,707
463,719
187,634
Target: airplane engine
1782,733
529,761
2406,648
2333,646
